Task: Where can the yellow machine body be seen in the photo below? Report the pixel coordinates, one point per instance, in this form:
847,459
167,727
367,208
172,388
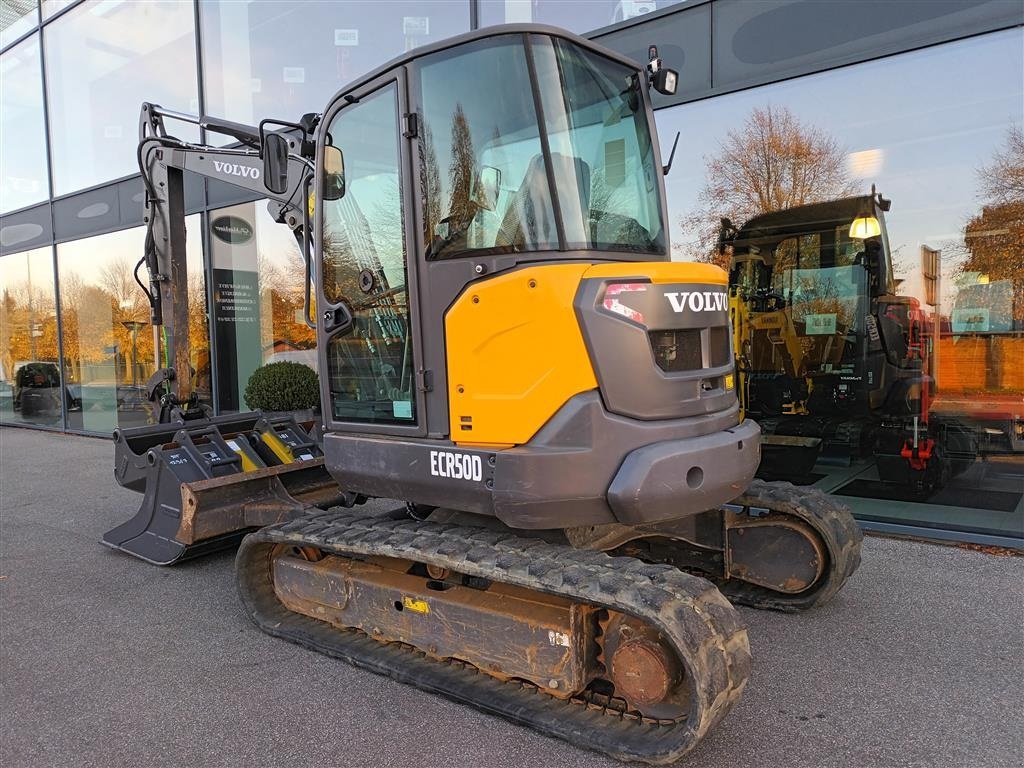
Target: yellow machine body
515,350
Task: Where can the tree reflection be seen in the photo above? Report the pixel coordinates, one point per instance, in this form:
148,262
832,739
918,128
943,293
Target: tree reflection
994,238
772,162
28,325
462,170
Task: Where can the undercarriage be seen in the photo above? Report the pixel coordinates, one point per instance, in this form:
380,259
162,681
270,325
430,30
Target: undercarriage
617,639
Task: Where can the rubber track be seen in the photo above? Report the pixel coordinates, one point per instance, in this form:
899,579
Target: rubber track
705,629
834,523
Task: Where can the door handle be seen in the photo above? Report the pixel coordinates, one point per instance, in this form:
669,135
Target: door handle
338,319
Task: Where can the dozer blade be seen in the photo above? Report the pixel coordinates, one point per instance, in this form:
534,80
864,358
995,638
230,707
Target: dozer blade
206,483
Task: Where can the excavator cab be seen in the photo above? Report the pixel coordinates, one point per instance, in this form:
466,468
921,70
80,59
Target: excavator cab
501,249
505,346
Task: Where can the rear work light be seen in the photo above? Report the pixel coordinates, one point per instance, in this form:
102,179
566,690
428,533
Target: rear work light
613,304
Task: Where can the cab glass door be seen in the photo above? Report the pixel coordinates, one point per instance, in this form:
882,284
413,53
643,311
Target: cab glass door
370,372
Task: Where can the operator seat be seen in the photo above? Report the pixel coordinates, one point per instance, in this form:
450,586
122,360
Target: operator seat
529,219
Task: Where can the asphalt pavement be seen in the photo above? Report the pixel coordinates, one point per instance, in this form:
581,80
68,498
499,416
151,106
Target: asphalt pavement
108,661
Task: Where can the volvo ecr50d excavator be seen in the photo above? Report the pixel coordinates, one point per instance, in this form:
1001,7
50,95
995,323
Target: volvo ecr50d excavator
505,346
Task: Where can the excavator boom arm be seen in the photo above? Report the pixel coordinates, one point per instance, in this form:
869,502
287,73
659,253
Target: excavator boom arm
163,161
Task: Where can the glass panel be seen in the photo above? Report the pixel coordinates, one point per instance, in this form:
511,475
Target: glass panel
22,132
684,44
370,369
281,59
30,385
102,61
479,121
257,293
890,364
50,7
568,14
601,150
16,18
108,339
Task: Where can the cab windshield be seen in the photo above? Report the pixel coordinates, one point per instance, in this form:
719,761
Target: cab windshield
492,147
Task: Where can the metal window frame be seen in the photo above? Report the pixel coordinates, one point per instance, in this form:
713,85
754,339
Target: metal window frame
206,208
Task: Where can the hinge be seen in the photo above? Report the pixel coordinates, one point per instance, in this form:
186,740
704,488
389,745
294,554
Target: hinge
410,123
424,380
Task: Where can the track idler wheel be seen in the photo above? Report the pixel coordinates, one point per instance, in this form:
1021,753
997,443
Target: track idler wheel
643,668
790,548
775,551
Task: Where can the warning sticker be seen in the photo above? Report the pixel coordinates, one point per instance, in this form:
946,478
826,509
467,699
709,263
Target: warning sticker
558,638
414,605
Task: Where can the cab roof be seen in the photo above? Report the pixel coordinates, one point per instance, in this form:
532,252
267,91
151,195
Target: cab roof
482,34
807,218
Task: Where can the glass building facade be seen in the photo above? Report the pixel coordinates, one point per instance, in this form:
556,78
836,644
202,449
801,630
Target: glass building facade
781,104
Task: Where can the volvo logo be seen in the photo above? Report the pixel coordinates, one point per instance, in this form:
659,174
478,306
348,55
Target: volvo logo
697,301
233,169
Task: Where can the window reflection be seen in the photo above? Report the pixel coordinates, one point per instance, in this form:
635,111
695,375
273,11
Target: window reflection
258,273
469,128
108,338
22,133
569,14
282,59
30,385
902,387
19,16
51,7
102,61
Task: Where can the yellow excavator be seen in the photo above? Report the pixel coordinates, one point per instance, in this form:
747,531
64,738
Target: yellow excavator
505,348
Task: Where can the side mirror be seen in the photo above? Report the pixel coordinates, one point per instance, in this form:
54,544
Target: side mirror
726,232
333,185
486,188
275,163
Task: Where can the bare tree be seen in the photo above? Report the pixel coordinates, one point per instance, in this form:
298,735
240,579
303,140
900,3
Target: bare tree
994,238
430,181
116,278
772,162
1002,180
462,170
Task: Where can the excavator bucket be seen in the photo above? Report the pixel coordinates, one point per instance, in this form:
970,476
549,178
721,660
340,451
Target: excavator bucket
207,482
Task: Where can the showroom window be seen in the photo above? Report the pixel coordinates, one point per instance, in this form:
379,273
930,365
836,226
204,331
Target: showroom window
939,132
102,61
282,59
30,385
22,131
258,273
51,7
569,14
19,17
107,335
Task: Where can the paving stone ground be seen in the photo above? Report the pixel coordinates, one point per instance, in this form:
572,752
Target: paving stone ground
106,660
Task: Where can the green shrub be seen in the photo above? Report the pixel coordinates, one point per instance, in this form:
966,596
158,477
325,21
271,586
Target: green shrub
284,386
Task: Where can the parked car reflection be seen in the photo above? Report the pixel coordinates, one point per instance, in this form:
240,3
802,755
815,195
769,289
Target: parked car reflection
37,392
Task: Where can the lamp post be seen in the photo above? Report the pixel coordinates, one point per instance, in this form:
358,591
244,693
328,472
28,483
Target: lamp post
134,326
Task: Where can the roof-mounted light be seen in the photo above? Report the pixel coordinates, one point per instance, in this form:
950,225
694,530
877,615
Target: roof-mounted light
661,79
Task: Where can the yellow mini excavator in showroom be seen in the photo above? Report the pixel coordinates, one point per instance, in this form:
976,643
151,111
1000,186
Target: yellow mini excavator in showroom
505,347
